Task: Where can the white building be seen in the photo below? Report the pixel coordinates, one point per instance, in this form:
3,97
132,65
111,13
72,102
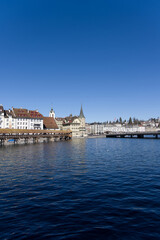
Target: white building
6,118
99,128
96,128
20,118
123,128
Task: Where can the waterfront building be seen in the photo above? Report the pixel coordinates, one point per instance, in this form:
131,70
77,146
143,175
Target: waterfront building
2,120
27,119
99,128
123,128
59,122
82,128
20,118
96,128
88,128
75,123
72,123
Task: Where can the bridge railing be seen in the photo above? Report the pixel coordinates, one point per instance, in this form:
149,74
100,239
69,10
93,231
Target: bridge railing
32,132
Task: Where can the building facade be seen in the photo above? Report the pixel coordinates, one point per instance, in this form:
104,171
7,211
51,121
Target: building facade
99,128
20,118
59,122
74,123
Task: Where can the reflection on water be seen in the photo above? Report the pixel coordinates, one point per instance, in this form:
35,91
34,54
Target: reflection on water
81,189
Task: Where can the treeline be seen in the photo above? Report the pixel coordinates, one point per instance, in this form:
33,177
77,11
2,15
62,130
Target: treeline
130,121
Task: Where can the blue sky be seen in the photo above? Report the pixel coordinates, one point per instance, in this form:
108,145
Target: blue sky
103,54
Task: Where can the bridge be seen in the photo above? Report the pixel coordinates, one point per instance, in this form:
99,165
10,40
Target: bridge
146,135
26,135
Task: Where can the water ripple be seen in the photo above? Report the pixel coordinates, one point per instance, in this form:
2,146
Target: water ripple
81,189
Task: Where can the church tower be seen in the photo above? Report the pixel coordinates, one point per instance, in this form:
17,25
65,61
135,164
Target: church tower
82,123
81,115
52,113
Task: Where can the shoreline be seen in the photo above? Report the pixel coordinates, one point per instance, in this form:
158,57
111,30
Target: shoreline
97,136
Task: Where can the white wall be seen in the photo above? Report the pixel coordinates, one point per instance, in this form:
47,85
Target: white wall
20,123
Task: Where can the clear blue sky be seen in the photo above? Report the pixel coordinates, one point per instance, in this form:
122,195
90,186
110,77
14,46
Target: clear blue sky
104,54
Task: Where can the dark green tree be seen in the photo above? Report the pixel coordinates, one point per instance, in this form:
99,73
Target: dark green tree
135,121
130,121
120,120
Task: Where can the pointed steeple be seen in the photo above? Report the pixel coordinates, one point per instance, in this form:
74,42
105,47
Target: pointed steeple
81,113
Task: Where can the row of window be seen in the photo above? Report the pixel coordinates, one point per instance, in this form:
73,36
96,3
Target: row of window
20,123
32,120
23,119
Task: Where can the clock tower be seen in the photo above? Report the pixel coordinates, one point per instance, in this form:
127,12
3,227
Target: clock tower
52,113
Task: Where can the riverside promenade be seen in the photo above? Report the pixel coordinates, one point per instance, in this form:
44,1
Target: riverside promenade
16,136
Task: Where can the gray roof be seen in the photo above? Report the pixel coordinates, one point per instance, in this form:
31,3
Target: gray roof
81,113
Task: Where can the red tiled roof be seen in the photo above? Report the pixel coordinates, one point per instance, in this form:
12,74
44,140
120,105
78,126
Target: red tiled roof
25,113
49,123
69,119
59,119
35,114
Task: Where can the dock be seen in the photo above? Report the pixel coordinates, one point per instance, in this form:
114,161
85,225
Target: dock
146,135
25,135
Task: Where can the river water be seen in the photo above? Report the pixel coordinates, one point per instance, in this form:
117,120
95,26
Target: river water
81,189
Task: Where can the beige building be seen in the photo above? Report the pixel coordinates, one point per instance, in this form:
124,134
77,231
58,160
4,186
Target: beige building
59,122
75,123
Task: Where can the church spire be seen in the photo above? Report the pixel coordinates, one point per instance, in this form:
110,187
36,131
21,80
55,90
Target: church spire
81,113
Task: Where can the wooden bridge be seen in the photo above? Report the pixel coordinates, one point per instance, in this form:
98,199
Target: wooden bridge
146,135
16,135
